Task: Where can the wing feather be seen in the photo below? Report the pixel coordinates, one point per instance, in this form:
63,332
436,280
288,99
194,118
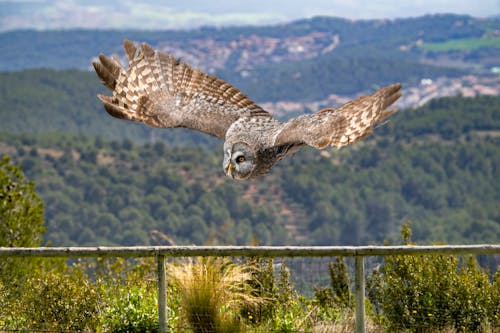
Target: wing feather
159,90
340,126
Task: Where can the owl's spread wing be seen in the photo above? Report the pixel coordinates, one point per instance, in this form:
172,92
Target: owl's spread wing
340,126
159,90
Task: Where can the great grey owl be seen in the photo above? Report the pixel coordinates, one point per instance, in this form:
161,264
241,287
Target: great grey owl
159,90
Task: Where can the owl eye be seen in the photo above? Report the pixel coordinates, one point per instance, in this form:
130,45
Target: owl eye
240,159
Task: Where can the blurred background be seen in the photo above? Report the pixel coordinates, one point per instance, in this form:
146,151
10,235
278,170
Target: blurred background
434,165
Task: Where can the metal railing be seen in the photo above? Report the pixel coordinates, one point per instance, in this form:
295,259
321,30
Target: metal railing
163,252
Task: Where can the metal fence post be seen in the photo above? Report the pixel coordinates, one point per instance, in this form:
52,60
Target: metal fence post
359,286
162,294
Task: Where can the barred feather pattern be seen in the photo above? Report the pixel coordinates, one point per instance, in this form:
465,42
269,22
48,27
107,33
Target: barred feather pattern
343,125
162,91
159,90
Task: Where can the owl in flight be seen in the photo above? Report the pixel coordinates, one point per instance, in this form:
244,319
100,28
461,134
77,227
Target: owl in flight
159,90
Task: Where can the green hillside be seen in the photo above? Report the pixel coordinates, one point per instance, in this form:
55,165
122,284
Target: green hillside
346,74
463,44
44,101
436,167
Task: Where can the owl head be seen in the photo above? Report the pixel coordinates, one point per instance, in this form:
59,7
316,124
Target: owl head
239,160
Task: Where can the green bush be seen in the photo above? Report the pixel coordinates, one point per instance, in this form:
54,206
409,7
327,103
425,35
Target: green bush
21,222
339,282
495,298
434,292
60,300
132,310
129,294
9,317
263,285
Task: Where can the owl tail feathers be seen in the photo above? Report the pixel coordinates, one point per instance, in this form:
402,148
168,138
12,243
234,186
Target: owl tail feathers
388,95
387,113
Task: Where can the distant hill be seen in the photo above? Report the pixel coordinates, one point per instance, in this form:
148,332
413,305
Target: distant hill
317,78
45,101
285,42
303,60
436,166
315,57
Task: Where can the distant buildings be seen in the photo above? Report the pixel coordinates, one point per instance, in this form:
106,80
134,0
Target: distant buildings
242,53
415,96
467,86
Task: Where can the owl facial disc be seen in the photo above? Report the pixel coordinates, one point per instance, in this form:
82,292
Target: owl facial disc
239,161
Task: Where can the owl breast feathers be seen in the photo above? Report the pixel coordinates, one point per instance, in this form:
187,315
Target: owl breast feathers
159,90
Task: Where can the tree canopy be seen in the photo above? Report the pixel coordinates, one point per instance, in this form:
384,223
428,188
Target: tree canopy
21,209
435,166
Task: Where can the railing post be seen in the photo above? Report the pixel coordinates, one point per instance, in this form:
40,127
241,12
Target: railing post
162,294
359,286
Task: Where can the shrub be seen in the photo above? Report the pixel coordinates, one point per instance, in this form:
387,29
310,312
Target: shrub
21,221
264,286
129,294
10,317
132,310
495,300
60,300
433,292
338,295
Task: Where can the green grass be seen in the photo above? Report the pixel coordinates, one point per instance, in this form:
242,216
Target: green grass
462,44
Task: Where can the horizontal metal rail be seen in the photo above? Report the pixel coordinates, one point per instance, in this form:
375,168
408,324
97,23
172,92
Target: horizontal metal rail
245,251
163,252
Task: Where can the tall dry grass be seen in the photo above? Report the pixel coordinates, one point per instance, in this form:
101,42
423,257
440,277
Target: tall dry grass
212,293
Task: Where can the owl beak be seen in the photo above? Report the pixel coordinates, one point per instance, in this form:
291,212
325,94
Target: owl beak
229,170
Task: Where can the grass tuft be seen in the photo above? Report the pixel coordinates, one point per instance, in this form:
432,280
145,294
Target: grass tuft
212,293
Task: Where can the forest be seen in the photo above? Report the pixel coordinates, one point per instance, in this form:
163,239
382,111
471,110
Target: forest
343,73
434,293
434,167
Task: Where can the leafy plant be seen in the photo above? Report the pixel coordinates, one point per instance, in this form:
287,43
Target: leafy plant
433,292
62,300
339,283
21,210
263,285
129,294
132,310
21,221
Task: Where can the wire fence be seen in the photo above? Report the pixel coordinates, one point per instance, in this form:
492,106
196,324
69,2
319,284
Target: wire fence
304,282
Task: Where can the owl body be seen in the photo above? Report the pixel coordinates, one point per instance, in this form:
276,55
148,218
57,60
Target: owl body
161,91
249,149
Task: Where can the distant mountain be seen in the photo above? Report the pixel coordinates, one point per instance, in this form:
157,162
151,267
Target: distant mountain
46,101
437,167
316,78
239,48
